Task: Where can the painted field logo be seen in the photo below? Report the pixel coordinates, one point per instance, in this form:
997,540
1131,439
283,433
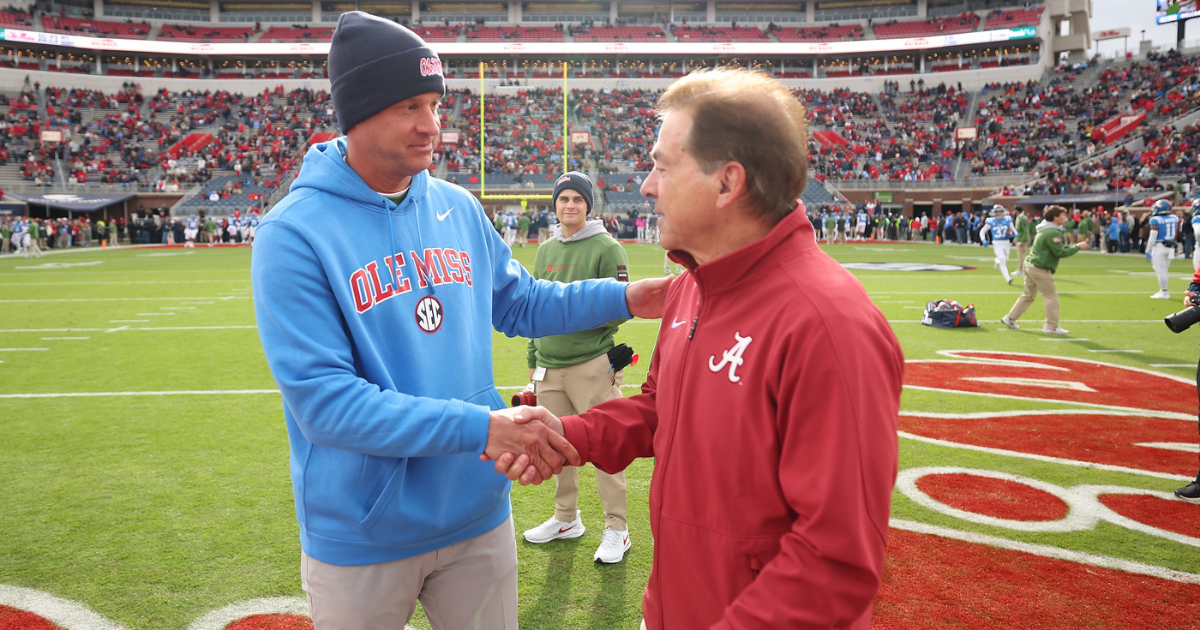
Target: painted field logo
429,314
874,266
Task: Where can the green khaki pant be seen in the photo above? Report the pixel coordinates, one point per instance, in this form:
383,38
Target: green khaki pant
1038,280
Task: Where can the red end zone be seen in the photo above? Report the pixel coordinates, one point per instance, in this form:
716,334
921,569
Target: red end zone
934,582
14,619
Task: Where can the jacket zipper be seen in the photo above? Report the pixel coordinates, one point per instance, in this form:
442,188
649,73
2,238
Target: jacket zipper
687,352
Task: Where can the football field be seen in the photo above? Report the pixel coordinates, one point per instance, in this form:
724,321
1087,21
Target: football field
144,478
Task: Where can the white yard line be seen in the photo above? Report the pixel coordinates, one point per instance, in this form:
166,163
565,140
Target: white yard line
128,321
1043,458
23,349
1117,351
1130,410
225,392
62,612
138,328
190,392
152,314
63,338
119,299
1047,551
174,282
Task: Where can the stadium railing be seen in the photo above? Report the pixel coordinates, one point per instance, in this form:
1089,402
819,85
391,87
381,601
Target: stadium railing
968,182
761,18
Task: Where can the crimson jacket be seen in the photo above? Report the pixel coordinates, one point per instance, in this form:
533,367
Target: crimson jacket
771,407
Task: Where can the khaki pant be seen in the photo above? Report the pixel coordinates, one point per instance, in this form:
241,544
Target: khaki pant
1038,281
468,585
1022,250
568,391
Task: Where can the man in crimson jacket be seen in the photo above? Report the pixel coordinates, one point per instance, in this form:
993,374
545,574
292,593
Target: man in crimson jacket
772,401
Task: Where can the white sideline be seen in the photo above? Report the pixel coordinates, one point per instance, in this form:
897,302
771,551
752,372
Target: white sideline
203,392
129,328
120,299
1046,551
65,613
1044,458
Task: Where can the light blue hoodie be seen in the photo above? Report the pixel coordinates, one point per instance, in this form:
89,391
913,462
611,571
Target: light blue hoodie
387,382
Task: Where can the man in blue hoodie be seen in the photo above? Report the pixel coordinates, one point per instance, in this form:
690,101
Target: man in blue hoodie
376,288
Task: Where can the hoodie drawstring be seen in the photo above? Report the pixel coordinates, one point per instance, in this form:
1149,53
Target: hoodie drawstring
392,243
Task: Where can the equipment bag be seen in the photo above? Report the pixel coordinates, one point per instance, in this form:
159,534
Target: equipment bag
949,314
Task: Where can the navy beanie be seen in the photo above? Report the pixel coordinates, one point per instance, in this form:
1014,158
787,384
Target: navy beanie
375,63
575,181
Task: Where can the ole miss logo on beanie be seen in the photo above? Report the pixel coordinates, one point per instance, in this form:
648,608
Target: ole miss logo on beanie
431,65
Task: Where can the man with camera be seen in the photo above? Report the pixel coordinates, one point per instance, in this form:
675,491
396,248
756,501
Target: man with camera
1048,248
1190,492
572,373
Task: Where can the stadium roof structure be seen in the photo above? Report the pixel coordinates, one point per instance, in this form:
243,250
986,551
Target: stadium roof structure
1114,197
535,48
79,202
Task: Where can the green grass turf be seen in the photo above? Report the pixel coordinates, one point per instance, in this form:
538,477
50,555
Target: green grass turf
154,510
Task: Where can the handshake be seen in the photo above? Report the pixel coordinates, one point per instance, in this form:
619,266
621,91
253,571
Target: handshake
527,444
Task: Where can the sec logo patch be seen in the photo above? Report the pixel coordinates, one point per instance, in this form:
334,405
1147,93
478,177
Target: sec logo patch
429,314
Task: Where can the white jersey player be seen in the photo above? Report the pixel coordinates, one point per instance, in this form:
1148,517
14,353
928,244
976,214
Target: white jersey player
190,230
999,230
1160,247
20,236
1196,231
251,227
860,226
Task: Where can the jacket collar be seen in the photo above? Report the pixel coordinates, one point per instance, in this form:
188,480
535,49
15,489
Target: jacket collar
724,273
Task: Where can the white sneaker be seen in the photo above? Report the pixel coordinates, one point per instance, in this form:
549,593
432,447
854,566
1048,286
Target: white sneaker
613,547
1057,330
1161,295
666,271
554,529
1011,323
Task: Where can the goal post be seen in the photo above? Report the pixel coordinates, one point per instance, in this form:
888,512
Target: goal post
566,139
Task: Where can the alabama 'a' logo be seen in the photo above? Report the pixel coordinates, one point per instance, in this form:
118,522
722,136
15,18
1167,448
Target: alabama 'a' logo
731,357
429,314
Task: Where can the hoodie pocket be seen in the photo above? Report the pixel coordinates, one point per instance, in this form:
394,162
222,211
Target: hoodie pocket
386,497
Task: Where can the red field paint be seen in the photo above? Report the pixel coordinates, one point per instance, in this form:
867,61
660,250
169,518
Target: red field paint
14,619
998,498
1172,515
1055,378
934,582
1089,438
272,622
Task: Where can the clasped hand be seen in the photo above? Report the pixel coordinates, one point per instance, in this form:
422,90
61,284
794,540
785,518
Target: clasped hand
527,444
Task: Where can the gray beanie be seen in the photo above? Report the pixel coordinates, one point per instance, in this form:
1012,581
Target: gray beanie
375,63
576,181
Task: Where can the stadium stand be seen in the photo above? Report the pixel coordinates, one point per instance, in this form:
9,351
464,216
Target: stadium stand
123,30
298,34
923,28
1012,19
14,17
205,33
717,34
832,32
620,34
436,33
518,33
